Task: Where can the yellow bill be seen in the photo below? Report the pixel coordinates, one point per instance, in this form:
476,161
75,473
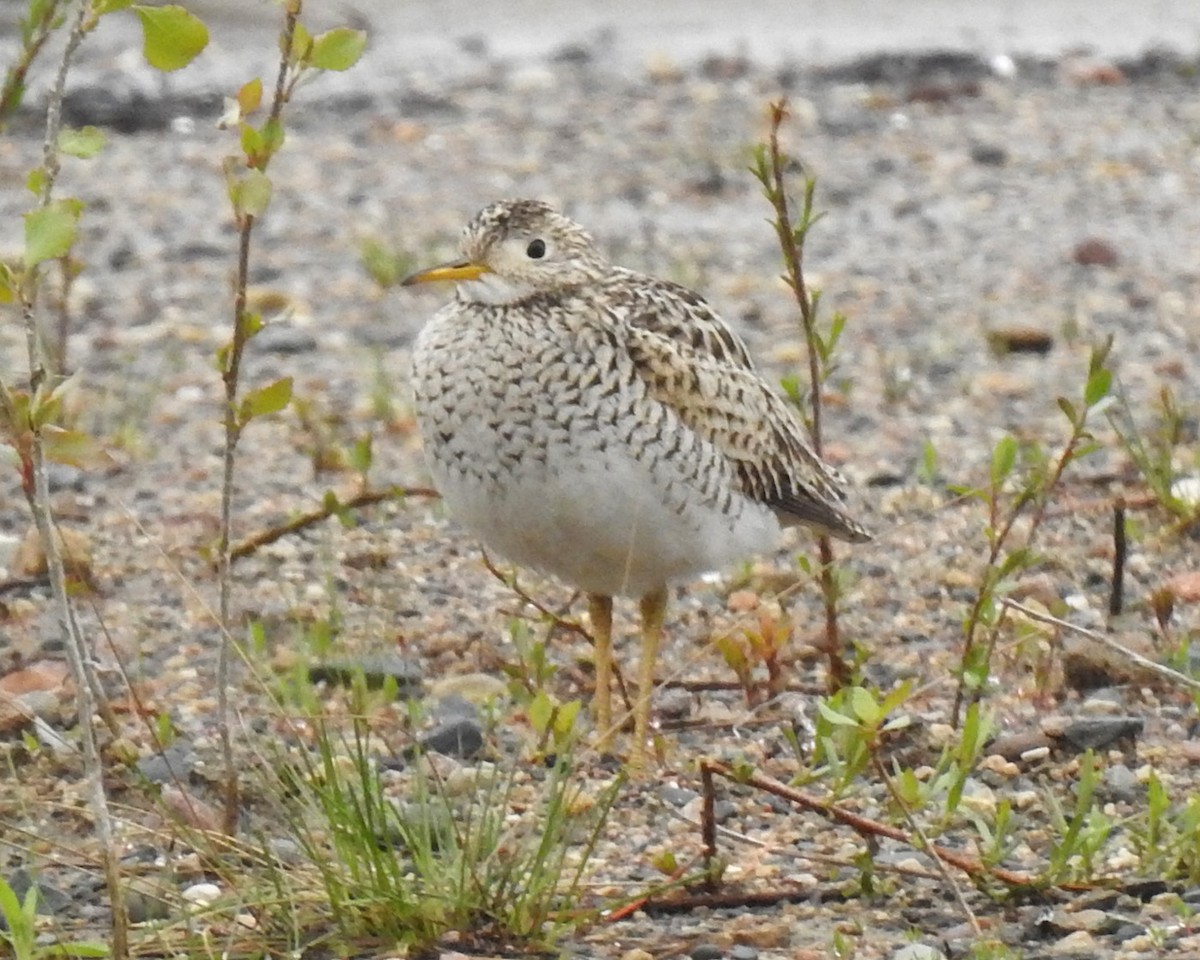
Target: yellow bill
453,271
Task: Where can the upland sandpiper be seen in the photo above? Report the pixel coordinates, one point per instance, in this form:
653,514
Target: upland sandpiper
605,427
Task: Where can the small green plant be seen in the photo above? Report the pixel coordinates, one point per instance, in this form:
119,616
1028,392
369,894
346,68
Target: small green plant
386,265
19,931
759,646
821,340
852,725
993,950
1022,481
302,55
532,671
553,722
448,859
1166,834
1154,451
842,946
1081,834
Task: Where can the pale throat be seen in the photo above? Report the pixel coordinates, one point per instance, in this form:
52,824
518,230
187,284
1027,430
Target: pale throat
493,289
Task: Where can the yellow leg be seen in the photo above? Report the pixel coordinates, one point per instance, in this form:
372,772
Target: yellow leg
600,613
654,610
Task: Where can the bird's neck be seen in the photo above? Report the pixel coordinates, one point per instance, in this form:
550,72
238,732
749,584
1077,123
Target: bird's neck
494,290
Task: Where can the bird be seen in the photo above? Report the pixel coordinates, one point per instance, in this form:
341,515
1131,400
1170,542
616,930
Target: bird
605,427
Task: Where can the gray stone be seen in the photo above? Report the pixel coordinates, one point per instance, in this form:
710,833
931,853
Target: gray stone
461,737
50,899
143,905
918,951
1127,931
1122,784
172,765
285,340
677,796
375,669
455,707
723,810
1094,733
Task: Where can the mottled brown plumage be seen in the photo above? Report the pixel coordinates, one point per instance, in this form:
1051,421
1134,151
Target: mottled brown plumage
605,426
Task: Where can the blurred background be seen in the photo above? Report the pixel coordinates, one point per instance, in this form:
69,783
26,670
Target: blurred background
448,36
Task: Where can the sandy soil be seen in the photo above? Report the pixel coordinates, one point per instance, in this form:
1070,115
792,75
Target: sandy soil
956,199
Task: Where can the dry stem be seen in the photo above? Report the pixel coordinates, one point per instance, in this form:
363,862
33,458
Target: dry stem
89,694
793,255
230,377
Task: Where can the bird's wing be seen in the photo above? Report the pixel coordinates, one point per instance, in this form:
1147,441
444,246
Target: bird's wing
694,364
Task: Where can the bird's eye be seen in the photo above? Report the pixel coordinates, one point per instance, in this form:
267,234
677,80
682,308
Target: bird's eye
536,249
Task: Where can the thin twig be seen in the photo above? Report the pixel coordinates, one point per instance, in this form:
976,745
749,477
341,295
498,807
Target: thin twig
793,256
364,498
866,827
14,79
1157,668
556,619
791,244
1116,596
89,694
229,376
708,825
946,875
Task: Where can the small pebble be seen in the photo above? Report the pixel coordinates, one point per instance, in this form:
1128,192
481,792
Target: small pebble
918,951
475,688
461,737
1095,252
202,894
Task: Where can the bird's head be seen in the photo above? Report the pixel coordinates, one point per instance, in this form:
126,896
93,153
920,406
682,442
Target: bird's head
514,249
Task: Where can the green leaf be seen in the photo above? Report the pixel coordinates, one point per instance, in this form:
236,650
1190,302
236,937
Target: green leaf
836,325
361,454
252,142
10,906
80,948
250,193
72,447
84,142
249,97
908,787
272,136
1068,409
1004,458
833,717
895,698
101,7
929,463
50,231
863,703
540,711
337,49
171,36
8,283
1098,384
564,722
36,181
251,325
302,43
266,400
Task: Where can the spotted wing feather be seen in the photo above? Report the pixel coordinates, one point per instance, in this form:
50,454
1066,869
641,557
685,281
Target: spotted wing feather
693,363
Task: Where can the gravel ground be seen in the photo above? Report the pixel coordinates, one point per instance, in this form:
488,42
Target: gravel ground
956,199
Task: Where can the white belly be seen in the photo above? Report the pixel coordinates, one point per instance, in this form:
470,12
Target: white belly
604,524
